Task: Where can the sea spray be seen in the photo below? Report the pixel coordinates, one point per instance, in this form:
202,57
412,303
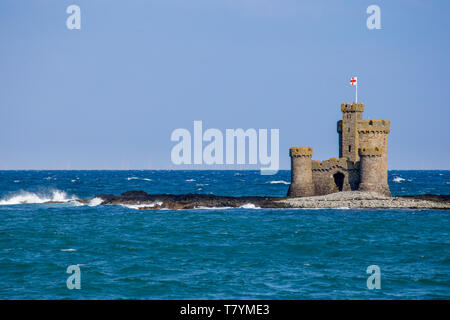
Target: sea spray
26,197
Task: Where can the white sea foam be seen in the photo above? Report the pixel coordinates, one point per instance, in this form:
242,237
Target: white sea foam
76,203
190,180
398,179
95,202
278,182
249,206
16,181
139,206
136,178
23,197
69,250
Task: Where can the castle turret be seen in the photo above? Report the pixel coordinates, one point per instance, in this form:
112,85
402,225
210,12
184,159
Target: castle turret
301,172
373,171
374,133
348,130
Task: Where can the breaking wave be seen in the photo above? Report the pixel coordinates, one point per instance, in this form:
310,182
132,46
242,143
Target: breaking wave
95,202
249,206
24,197
136,178
398,179
278,182
139,206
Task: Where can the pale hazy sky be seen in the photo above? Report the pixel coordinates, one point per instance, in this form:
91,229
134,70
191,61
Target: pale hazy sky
108,96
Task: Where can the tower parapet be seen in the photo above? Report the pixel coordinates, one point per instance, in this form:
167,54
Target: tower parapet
375,126
373,171
300,152
352,107
301,172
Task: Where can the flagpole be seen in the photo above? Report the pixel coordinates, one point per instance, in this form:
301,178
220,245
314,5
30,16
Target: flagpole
356,89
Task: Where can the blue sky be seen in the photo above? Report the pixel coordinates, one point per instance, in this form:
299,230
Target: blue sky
108,96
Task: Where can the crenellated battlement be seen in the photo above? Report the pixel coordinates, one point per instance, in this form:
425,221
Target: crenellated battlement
352,107
371,151
300,152
375,126
333,163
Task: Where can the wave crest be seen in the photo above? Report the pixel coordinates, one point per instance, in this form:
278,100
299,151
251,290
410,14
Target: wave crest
25,197
278,182
95,202
136,178
249,206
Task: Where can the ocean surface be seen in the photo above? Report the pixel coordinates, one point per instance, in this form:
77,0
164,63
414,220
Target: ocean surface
124,253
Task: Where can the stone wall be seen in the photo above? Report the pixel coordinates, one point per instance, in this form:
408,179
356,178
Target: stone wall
326,178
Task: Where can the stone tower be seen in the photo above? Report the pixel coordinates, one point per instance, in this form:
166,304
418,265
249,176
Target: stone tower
362,163
374,133
301,173
348,130
372,171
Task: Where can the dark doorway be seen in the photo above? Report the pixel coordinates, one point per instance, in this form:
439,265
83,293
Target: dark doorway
339,180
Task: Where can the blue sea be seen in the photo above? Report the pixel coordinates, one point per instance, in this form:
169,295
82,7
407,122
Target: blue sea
124,253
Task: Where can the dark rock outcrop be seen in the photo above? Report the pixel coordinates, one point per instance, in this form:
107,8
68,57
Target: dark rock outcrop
187,201
352,199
